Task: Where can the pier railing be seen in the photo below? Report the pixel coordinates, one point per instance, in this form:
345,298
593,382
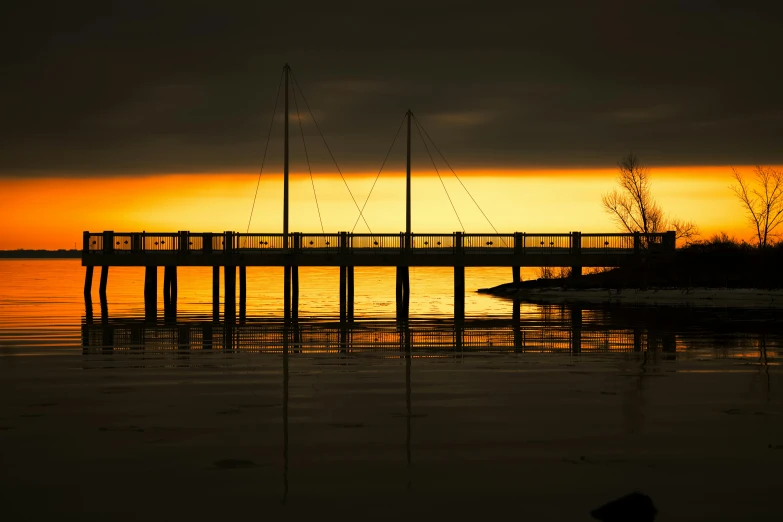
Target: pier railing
186,242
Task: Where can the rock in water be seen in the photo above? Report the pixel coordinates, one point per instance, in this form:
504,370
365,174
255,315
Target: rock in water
635,507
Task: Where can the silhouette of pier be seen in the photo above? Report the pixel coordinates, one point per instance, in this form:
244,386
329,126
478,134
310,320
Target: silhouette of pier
231,250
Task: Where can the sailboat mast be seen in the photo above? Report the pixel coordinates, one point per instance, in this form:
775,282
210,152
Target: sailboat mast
408,184
285,164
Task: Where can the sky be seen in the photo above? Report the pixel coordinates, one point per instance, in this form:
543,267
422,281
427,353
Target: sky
151,114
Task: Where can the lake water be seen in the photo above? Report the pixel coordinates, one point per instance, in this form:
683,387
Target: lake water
541,412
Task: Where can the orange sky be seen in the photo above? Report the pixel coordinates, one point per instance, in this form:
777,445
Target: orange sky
52,213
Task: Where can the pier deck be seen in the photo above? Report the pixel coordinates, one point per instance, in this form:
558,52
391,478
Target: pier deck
346,249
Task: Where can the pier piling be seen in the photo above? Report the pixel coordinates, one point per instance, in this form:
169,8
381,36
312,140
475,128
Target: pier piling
459,293
151,292
170,292
287,292
242,292
343,292
88,284
104,282
349,293
216,293
294,293
230,294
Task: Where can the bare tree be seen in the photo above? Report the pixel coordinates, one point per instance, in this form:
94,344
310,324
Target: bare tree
762,199
634,208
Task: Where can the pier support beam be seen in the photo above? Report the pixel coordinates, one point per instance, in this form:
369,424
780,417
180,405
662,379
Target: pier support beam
403,293
242,292
230,294
104,282
88,293
349,292
216,293
295,293
516,274
343,293
151,293
89,270
516,317
459,293
170,292
287,293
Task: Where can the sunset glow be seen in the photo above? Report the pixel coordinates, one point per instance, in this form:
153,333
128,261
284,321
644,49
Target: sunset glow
53,212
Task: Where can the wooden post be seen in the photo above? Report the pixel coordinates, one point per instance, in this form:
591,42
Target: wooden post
516,320
406,289
173,290
88,284
287,293
350,292
230,296
459,293
637,243
215,293
242,292
108,242
516,274
399,293
151,292
85,242
206,243
104,282
343,292
294,293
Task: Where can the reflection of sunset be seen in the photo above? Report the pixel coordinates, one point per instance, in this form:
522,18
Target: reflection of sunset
52,213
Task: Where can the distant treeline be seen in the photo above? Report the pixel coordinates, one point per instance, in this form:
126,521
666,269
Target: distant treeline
24,253
720,262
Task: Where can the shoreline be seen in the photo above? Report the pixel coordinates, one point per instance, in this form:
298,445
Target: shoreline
702,297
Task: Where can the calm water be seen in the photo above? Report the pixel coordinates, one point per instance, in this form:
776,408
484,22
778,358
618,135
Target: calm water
512,411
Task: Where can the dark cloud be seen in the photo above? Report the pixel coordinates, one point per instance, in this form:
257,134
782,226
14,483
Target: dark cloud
152,87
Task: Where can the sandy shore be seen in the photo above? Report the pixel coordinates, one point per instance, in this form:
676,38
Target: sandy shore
702,297
213,436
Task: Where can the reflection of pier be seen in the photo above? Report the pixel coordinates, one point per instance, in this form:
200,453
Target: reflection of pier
566,333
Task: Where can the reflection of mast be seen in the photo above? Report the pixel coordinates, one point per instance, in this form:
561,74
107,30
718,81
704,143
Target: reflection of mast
285,415
407,347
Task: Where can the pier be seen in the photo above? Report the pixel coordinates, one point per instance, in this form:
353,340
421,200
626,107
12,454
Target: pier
235,252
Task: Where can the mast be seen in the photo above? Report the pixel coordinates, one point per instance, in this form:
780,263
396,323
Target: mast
285,163
408,186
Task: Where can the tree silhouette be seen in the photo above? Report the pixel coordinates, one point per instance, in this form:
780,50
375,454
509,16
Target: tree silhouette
762,199
634,208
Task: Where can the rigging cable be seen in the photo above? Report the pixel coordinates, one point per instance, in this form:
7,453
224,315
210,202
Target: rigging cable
458,179
296,83
307,157
379,172
266,148
418,128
